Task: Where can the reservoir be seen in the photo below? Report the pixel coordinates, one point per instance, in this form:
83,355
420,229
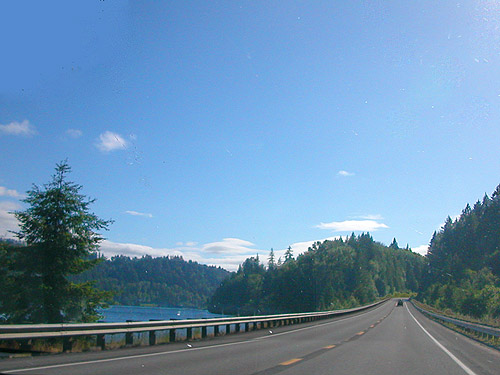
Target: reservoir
118,313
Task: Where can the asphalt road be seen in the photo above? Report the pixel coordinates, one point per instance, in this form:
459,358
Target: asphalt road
384,340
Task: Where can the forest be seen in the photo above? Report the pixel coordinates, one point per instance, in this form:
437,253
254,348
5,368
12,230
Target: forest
164,281
330,275
464,262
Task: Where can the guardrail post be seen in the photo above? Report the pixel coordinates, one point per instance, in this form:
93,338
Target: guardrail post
216,331
237,327
189,333
152,337
25,345
228,329
247,327
67,344
171,333
129,338
101,342
203,332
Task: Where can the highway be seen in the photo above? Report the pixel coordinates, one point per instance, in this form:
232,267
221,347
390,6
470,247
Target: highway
387,339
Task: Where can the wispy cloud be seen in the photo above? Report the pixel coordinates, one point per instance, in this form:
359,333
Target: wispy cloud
24,129
4,192
74,133
8,221
135,213
109,141
228,246
353,226
345,174
422,249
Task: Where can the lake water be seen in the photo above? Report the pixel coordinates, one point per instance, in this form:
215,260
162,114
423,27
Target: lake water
117,313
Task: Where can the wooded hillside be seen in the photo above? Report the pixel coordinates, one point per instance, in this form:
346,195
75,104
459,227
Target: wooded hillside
332,274
164,281
464,262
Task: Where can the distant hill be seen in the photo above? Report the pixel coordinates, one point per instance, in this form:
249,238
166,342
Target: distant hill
332,274
164,281
464,262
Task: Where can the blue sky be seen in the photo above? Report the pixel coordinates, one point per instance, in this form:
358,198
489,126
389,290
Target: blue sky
218,130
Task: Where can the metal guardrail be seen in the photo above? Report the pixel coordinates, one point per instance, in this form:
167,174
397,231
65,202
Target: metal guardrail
479,328
25,334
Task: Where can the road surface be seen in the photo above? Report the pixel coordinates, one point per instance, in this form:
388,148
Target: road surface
388,339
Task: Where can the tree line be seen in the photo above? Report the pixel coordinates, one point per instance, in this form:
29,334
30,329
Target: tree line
464,262
330,275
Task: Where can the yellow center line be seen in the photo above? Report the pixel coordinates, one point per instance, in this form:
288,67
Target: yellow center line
360,333
290,362
329,347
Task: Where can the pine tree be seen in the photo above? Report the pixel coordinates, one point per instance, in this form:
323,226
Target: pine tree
60,234
271,262
288,254
394,244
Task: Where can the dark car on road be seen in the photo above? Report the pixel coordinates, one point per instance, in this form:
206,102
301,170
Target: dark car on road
400,302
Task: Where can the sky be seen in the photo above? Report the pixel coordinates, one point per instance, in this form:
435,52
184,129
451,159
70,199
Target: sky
219,130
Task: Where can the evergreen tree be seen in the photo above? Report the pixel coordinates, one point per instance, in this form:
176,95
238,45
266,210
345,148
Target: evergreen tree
288,254
60,235
394,244
271,262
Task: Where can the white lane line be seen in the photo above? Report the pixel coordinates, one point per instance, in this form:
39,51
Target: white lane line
450,354
181,350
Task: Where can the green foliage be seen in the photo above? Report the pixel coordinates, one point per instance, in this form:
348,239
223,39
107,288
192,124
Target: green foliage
464,262
330,275
59,235
164,281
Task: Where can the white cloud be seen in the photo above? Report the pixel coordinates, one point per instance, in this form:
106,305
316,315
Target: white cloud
228,246
135,213
109,141
352,226
18,128
345,173
8,221
74,133
422,249
4,192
